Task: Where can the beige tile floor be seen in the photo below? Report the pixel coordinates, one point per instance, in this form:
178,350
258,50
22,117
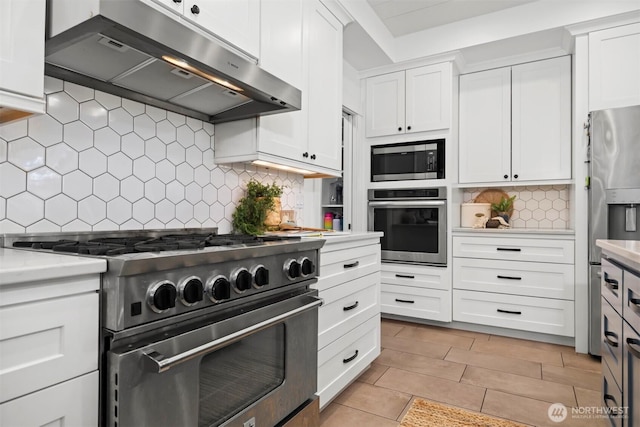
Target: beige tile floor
504,377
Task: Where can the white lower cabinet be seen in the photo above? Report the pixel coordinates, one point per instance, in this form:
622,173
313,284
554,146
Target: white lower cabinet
417,291
515,282
349,319
49,352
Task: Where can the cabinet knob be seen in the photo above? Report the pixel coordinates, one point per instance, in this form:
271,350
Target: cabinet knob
313,157
305,154
515,176
177,1
408,127
399,129
506,176
195,9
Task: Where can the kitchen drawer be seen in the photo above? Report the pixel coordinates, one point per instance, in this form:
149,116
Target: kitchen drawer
631,378
416,275
611,284
346,306
611,336
46,342
611,395
631,299
534,279
71,403
514,249
343,360
432,304
345,265
549,316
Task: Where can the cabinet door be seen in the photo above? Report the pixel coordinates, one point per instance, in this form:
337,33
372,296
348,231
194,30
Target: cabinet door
385,109
324,74
631,379
614,67
541,120
281,54
428,98
235,21
22,25
485,126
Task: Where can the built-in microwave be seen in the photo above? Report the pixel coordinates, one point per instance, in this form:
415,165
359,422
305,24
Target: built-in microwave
406,161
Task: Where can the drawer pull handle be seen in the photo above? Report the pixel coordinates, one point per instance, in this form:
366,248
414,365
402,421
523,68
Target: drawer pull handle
405,276
408,301
509,277
509,311
351,307
510,249
611,284
608,340
634,304
349,359
634,342
614,408
353,264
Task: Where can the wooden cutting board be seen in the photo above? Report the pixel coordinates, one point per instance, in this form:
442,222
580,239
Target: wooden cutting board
493,195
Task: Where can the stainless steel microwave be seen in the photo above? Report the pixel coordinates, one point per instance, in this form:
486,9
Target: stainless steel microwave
407,161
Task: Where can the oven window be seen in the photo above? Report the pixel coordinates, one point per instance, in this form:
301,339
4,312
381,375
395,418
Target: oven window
236,376
408,229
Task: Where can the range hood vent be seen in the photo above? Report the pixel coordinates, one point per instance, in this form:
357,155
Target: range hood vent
136,51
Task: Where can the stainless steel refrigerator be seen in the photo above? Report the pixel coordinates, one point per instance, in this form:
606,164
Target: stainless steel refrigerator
614,194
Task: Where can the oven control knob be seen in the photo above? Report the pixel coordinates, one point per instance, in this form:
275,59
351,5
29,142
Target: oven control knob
219,289
292,269
191,291
241,280
260,276
162,296
307,266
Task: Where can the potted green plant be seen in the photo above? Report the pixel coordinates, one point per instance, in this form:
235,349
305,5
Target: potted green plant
503,207
260,204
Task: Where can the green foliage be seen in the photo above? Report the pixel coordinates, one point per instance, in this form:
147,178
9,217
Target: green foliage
252,209
503,205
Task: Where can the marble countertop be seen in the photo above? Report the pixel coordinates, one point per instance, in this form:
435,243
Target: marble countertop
343,236
20,266
625,249
556,231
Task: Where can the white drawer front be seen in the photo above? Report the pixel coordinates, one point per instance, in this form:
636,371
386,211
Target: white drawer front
433,304
343,266
416,276
549,316
47,342
343,360
514,249
346,306
71,403
544,280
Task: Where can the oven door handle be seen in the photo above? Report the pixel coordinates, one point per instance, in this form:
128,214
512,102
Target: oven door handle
160,363
408,203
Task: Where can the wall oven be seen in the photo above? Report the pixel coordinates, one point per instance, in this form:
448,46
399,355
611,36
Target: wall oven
414,223
412,160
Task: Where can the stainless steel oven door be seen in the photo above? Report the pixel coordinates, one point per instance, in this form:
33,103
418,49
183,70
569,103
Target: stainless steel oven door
414,230
255,367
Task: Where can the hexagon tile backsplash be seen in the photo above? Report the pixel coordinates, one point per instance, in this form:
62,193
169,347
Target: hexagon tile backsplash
543,206
99,162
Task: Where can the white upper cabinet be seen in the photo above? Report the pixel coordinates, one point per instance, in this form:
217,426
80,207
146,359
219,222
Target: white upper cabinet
515,123
415,100
301,43
235,21
614,67
22,24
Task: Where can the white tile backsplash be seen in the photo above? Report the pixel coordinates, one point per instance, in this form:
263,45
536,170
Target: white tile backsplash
544,206
99,162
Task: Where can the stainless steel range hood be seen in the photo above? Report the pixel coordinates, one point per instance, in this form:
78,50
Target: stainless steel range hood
143,52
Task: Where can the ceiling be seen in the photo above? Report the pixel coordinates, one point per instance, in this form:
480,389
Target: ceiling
402,17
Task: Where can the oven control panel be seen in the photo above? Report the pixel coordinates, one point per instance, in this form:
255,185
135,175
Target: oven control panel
153,296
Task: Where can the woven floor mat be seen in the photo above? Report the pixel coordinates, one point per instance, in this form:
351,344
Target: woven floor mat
424,413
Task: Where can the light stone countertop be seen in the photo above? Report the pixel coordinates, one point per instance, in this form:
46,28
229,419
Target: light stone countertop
625,251
21,266
547,231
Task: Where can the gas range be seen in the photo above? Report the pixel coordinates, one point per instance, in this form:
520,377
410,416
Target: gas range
155,275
